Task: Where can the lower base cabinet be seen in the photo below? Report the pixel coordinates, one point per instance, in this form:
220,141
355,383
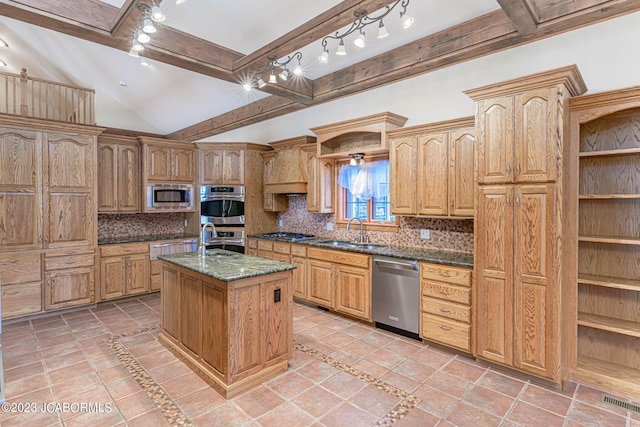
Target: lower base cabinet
124,270
21,277
446,305
69,277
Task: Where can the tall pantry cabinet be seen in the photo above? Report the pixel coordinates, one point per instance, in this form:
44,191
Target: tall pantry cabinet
520,217
48,214
604,321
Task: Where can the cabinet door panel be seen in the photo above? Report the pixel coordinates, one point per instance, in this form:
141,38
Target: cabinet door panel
233,167
277,321
402,172
495,140
211,166
494,272
299,279
214,327
171,291
245,345
67,288
138,274
20,216
190,311
538,136
71,219
433,174
112,277
320,288
535,304
158,160
461,181
353,291
182,165
70,162
107,177
129,178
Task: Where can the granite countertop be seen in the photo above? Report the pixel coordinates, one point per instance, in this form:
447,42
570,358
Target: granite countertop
147,238
459,259
227,266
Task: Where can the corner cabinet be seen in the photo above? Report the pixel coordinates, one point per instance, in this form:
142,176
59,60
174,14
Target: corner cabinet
605,319
441,156
118,174
521,219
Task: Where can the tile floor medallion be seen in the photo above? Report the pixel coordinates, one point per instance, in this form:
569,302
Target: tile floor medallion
342,373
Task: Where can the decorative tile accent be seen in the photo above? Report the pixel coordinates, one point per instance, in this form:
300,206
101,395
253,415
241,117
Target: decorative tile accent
446,234
113,226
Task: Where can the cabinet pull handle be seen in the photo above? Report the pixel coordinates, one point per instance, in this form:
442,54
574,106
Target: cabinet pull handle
445,328
12,261
452,203
69,262
445,274
48,283
10,293
122,264
508,201
518,200
129,263
508,168
518,168
445,293
444,310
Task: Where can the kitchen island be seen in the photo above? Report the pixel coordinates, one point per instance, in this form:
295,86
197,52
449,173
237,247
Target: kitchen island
228,316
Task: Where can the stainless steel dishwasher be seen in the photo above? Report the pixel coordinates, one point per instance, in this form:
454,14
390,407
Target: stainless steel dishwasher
395,295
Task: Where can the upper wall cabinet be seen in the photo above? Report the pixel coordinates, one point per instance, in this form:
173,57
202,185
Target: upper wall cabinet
118,174
366,135
288,172
321,181
221,165
438,159
167,161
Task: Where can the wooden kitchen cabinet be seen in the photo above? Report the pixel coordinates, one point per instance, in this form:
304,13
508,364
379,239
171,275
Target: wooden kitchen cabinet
118,174
441,156
299,278
124,270
446,305
69,277
321,179
168,161
521,262
222,166
272,202
20,189
340,280
21,288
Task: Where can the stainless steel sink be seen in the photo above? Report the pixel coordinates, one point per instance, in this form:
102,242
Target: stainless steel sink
351,245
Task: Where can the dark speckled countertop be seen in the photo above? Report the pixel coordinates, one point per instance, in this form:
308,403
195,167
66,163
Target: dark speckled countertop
133,239
227,266
460,259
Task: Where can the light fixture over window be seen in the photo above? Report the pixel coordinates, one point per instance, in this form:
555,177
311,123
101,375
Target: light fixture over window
275,68
357,159
362,20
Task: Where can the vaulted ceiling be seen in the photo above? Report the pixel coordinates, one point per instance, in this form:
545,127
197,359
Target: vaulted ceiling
206,48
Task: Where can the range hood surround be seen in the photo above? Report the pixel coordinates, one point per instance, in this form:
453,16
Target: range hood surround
289,170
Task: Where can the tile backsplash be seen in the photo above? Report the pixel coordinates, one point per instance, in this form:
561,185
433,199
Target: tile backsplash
446,234
120,226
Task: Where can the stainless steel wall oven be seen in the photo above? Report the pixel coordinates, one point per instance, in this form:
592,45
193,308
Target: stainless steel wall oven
222,205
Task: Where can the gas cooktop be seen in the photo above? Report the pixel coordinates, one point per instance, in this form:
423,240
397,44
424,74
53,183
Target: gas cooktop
290,237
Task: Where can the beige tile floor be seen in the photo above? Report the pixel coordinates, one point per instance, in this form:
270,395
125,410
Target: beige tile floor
343,373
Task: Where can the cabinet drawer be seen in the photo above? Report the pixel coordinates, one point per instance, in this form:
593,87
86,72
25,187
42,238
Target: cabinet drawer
20,268
298,250
450,310
446,273
71,261
446,292
340,257
252,252
265,245
281,257
156,266
253,243
18,300
282,248
447,332
124,249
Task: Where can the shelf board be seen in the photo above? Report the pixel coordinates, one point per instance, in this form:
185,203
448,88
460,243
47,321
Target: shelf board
605,153
619,326
606,373
608,196
609,282
610,239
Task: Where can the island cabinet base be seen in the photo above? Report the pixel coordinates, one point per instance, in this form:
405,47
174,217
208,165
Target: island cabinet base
234,334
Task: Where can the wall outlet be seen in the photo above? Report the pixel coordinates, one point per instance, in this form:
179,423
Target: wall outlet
280,224
425,233
330,226
185,223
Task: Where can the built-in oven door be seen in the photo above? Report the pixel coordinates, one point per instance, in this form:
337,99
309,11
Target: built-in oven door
222,211
228,245
231,239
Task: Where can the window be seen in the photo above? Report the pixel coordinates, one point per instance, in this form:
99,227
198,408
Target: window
364,193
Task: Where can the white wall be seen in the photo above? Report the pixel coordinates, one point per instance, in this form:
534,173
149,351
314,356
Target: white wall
607,55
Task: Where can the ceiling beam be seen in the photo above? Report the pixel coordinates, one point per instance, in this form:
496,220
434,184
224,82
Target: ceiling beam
313,30
478,37
522,13
88,12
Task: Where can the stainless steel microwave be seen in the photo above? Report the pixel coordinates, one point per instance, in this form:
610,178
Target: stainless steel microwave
166,197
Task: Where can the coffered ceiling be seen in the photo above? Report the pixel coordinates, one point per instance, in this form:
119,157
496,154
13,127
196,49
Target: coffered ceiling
206,48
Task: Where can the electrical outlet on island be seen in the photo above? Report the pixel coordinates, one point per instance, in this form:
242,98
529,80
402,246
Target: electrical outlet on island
425,234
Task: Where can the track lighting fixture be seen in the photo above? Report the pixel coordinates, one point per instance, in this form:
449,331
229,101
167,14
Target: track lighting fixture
156,13
142,33
362,20
272,69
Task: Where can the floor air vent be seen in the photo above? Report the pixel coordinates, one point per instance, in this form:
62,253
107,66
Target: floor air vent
617,402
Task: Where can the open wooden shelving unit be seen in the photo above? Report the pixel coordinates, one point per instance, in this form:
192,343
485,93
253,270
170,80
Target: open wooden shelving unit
608,242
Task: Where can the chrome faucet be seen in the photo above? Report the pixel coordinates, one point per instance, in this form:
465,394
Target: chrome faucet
202,250
361,228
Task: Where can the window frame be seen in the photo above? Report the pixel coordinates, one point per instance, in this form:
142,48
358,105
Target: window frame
341,201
